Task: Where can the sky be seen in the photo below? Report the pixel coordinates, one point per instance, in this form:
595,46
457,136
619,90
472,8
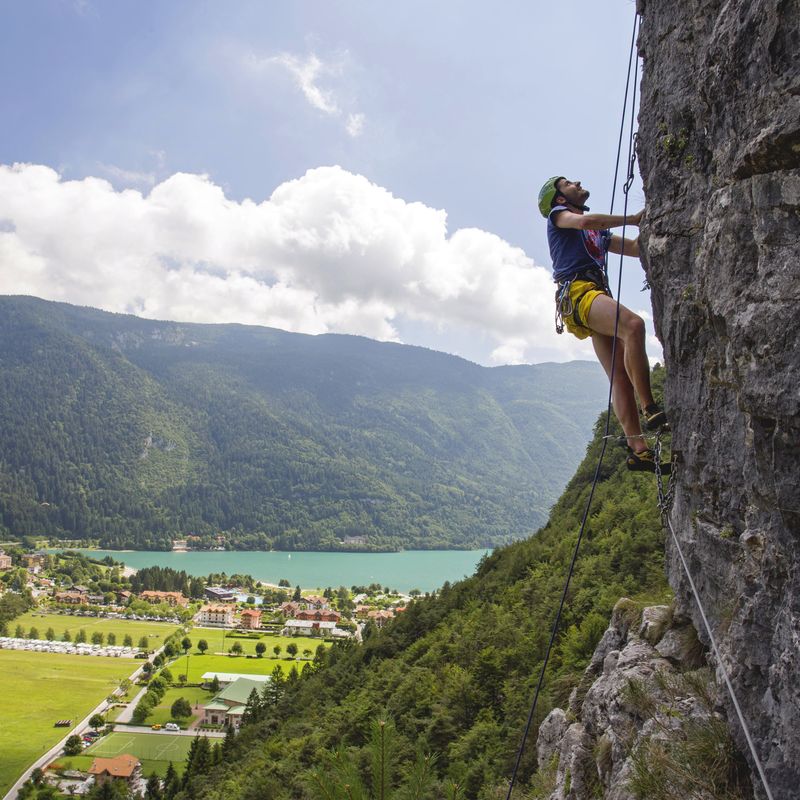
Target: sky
320,166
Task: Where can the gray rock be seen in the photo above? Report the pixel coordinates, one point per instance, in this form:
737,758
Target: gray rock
719,153
594,749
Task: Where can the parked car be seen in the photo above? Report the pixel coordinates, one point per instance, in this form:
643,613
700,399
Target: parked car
171,726
156,727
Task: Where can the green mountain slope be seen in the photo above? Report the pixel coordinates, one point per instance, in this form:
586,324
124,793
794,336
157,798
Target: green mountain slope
137,432
457,672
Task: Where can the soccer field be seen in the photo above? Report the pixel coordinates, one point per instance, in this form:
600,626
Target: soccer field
144,746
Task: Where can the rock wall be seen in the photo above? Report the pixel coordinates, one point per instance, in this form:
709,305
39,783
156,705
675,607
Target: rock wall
719,150
644,721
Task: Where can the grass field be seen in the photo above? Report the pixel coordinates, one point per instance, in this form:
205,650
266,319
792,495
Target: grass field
61,622
214,639
198,665
41,688
195,695
154,750
144,746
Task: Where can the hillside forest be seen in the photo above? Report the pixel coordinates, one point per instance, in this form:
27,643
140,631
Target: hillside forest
130,433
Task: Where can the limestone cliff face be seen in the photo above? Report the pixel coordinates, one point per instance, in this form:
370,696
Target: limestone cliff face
719,148
644,722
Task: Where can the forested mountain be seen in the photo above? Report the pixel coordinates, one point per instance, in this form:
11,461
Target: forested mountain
456,673
135,432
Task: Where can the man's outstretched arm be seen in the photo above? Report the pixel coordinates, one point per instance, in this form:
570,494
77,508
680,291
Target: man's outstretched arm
595,222
631,246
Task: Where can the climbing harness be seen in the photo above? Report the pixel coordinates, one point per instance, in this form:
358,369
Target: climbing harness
566,307
632,63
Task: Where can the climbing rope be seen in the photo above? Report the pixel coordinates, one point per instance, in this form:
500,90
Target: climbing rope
632,63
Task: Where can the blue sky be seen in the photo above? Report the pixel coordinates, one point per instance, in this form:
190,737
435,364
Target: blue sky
352,166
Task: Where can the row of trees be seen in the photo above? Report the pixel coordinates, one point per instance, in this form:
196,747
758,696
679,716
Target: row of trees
81,637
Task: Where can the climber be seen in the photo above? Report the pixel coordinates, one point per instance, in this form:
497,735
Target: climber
578,245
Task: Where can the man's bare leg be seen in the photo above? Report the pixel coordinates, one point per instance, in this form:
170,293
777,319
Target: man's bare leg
622,395
631,331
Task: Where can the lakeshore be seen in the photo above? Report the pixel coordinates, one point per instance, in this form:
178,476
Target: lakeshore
426,570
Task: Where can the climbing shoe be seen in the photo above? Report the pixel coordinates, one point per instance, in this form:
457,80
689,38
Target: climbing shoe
646,462
654,417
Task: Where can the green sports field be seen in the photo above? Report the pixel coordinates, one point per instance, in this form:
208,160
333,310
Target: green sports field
144,746
156,751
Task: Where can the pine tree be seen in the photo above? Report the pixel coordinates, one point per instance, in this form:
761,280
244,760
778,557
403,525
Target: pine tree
253,710
228,744
171,782
274,687
153,788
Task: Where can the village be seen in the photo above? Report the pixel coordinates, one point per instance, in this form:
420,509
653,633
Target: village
198,658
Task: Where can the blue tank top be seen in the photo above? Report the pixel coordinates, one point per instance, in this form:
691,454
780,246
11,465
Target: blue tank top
573,250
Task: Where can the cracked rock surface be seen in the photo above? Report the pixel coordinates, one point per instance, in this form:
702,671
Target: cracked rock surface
591,749
719,152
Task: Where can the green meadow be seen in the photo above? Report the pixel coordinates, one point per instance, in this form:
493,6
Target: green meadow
248,662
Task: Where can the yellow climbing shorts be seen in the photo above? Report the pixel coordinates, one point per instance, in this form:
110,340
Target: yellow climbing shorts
582,295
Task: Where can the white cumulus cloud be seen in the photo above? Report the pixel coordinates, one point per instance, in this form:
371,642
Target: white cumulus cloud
328,252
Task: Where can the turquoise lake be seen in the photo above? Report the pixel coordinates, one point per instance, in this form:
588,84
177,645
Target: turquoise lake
425,570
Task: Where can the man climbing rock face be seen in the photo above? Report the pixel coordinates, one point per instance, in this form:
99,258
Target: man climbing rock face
578,245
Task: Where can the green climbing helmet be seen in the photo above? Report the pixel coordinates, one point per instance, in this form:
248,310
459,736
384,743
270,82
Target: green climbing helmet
546,195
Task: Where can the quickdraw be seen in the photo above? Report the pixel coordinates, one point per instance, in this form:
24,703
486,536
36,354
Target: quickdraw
665,498
564,306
